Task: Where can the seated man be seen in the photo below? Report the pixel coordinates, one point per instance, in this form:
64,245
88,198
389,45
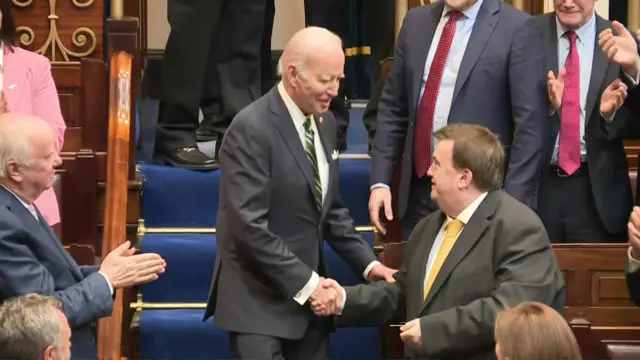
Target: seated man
633,258
32,327
32,259
482,251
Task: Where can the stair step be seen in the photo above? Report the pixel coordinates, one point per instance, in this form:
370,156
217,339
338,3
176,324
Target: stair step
184,198
190,261
182,335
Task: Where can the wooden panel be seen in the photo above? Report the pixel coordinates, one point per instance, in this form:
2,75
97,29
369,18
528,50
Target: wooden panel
63,31
133,203
596,294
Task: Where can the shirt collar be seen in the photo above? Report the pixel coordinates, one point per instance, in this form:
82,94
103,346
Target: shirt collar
466,214
581,32
297,115
470,13
27,205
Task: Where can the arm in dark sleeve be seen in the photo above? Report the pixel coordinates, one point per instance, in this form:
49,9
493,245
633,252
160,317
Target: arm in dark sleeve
530,112
87,270
526,270
245,162
21,273
376,304
393,118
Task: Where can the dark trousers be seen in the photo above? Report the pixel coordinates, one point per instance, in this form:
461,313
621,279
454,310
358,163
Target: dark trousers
331,15
314,345
211,60
381,17
567,208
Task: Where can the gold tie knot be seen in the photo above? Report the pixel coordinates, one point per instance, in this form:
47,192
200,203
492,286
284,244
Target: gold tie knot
454,227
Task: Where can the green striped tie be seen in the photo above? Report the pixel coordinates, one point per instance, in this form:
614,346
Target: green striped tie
310,149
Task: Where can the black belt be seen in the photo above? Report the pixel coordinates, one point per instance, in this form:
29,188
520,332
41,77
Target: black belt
583,170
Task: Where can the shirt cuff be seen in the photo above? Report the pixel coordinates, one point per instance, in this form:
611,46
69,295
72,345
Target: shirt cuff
305,293
379,186
107,280
634,264
609,120
344,300
367,270
635,81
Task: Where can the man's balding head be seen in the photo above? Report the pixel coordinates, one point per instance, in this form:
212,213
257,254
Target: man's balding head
311,67
27,155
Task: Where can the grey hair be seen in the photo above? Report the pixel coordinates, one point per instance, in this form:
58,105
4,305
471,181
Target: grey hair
13,148
28,325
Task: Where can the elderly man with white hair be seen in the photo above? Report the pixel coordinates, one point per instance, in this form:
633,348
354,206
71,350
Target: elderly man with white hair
279,202
32,259
32,327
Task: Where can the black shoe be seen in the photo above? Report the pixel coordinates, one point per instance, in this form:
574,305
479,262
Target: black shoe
190,158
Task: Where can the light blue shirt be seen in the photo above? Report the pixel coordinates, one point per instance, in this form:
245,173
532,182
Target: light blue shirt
464,27
585,44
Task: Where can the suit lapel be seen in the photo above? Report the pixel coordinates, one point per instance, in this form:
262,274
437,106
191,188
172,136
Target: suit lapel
429,239
422,50
550,32
325,133
12,79
482,29
470,234
40,230
598,70
287,129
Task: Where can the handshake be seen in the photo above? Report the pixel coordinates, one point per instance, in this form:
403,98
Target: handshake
328,298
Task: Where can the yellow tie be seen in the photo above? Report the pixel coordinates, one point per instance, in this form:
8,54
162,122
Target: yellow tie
451,232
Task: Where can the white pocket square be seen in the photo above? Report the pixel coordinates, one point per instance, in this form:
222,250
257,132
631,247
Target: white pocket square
335,155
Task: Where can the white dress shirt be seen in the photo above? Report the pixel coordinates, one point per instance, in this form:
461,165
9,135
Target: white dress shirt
298,118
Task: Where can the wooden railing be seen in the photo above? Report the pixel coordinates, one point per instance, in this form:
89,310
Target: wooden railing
115,232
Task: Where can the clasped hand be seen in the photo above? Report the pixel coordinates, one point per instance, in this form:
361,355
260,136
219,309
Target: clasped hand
327,299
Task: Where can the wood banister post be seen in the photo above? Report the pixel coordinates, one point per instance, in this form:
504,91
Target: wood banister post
115,221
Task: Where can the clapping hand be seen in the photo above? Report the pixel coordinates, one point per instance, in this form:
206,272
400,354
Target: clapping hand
613,98
555,88
621,49
124,268
327,299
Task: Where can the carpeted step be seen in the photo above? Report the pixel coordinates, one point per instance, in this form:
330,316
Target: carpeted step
174,197
190,261
182,335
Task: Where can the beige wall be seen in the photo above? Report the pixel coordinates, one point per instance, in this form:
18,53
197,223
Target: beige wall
289,19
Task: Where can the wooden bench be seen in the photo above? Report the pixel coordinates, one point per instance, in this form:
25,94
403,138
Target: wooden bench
606,323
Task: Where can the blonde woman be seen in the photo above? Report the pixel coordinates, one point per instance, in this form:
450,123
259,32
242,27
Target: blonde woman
534,331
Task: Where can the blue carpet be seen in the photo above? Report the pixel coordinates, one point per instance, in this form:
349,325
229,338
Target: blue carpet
170,330
198,192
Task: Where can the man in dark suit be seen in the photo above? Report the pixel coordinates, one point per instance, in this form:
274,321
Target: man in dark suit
584,193
633,258
485,65
211,60
32,259
279,202
483,250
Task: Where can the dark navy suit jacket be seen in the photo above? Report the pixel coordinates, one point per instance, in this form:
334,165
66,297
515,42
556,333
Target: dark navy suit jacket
32,260
501,84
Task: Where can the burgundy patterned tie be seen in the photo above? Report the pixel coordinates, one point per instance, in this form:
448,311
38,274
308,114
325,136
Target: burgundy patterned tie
427,108
569,144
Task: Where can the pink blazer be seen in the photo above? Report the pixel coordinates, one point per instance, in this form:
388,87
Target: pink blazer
29,89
